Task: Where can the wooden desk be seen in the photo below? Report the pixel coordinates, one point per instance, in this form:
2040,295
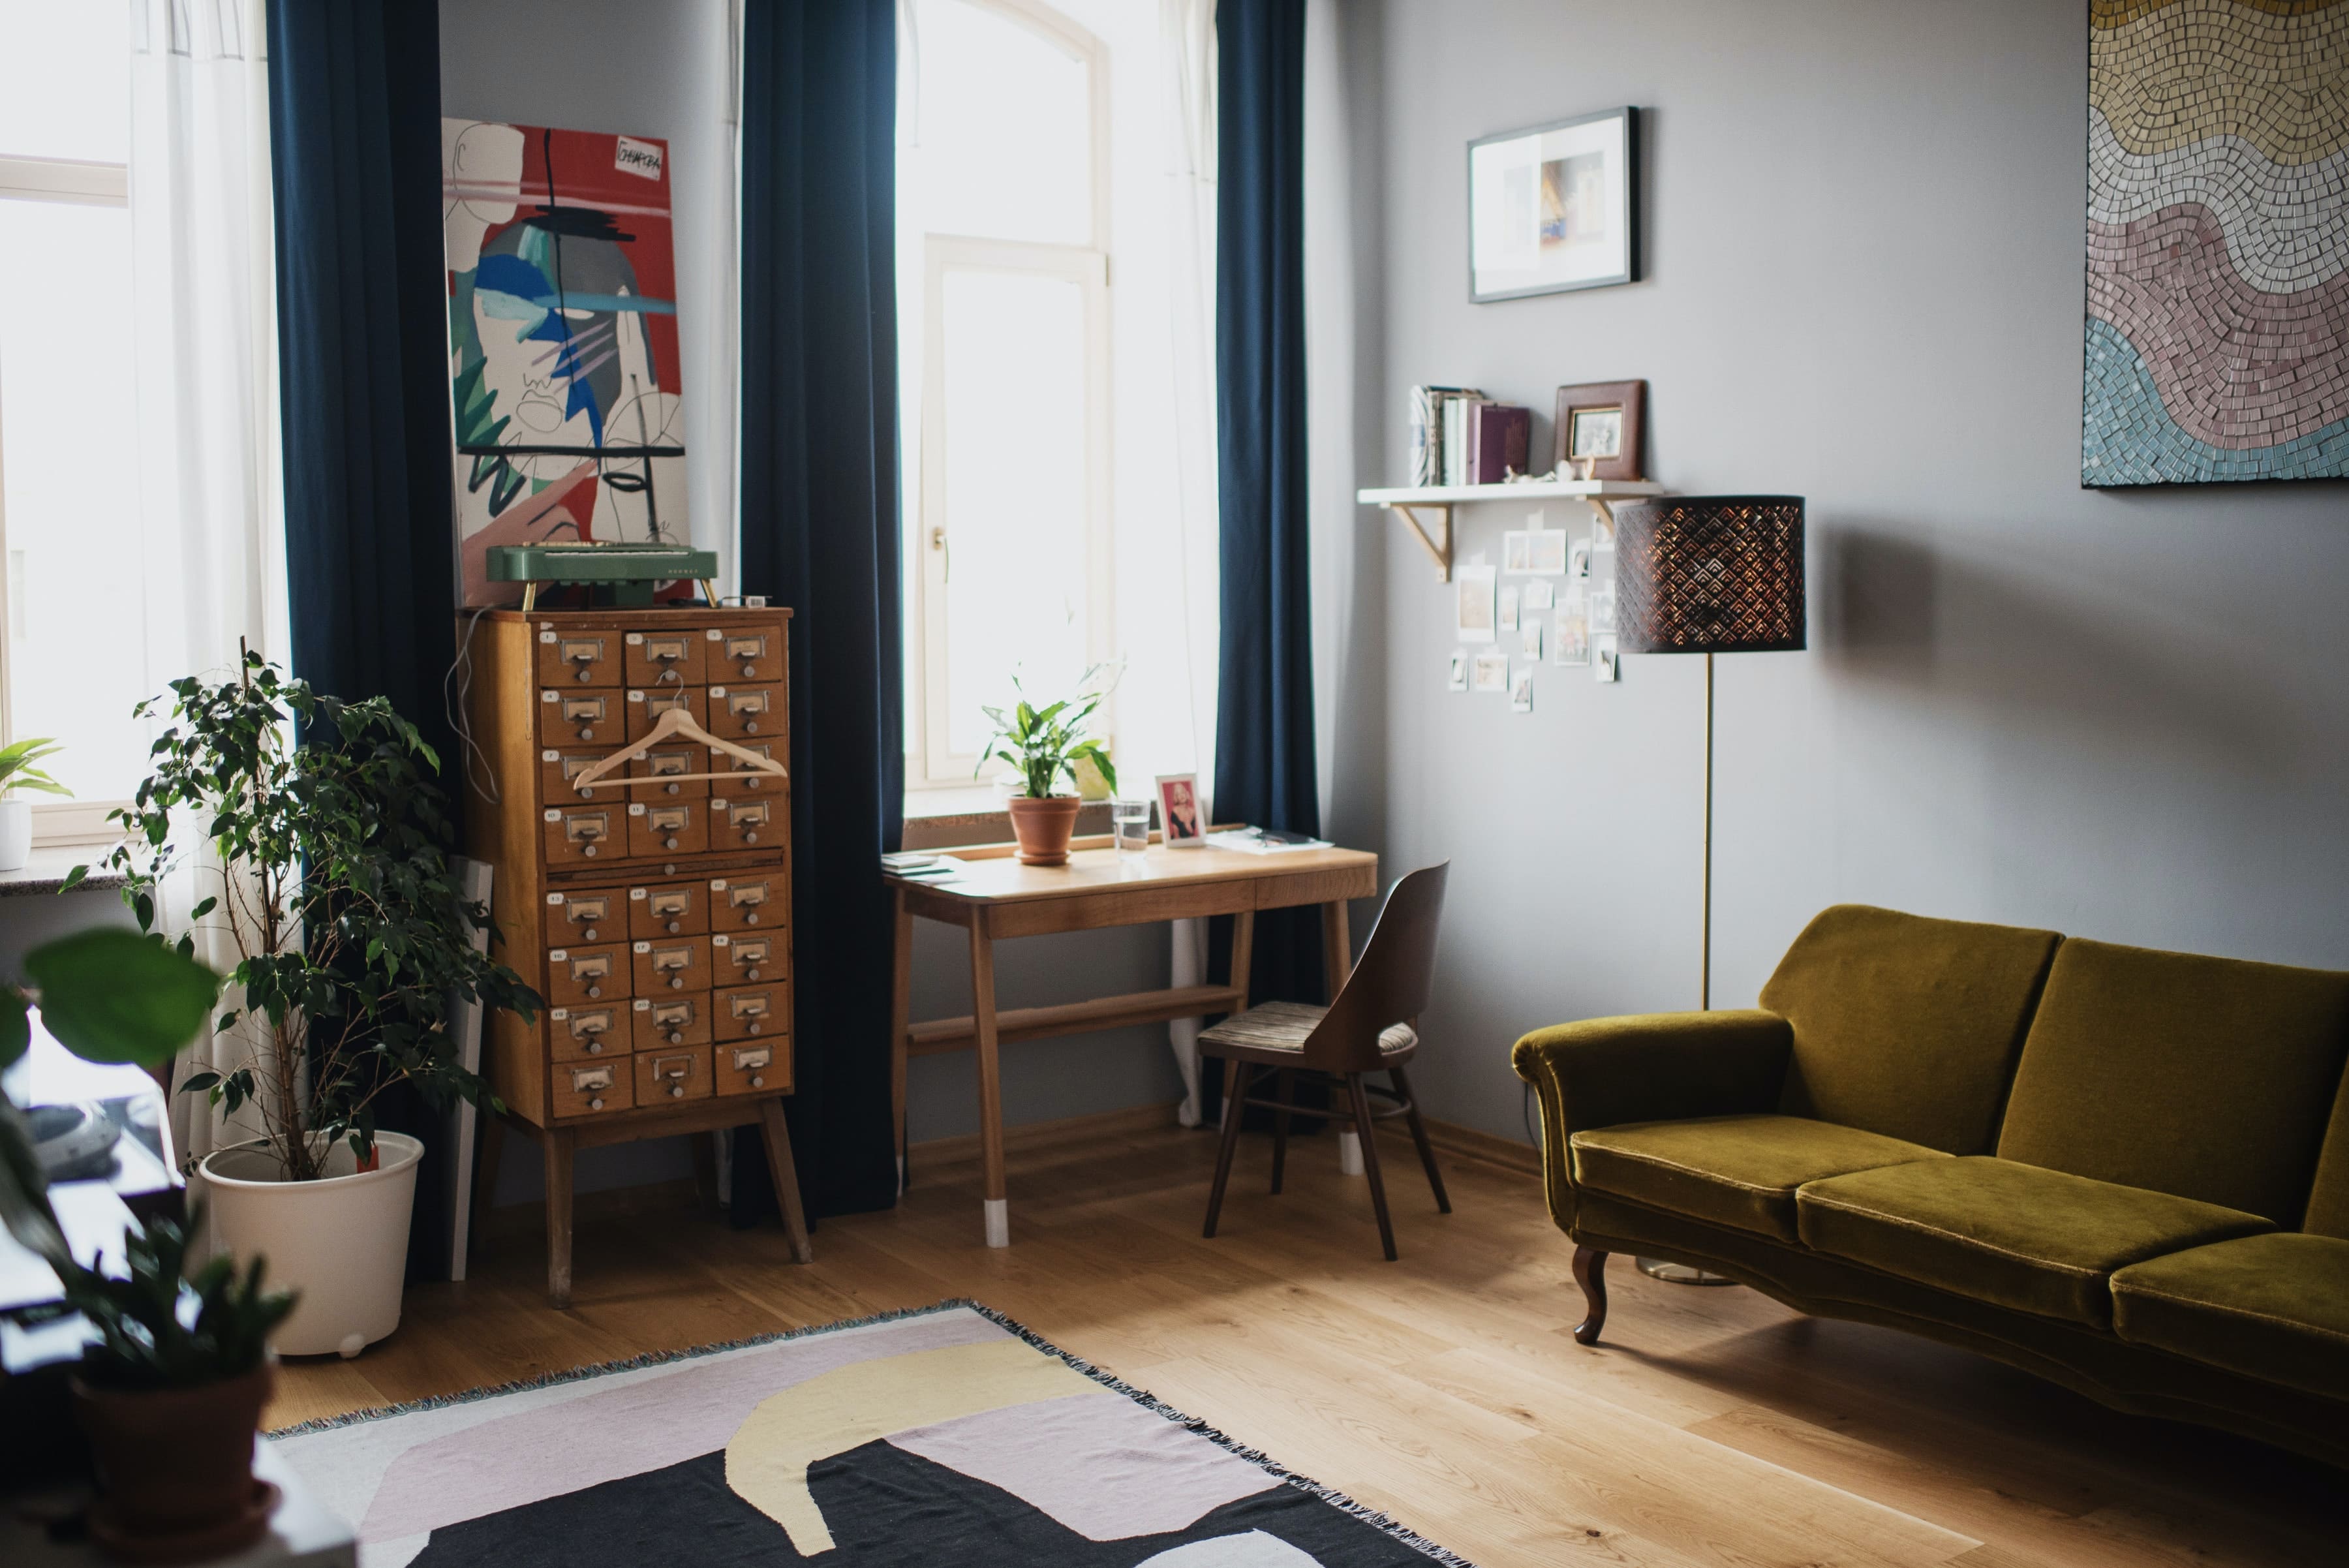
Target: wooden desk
1098,888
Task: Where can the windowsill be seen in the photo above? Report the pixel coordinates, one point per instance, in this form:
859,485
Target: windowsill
957,800
961,818
46,871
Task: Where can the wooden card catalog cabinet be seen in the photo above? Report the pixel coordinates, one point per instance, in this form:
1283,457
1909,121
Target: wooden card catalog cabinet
651,904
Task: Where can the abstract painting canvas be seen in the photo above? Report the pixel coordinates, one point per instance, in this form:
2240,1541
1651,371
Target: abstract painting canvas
2218,241
562,343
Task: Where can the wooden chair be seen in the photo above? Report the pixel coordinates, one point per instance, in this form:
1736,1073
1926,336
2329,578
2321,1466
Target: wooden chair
1372,1027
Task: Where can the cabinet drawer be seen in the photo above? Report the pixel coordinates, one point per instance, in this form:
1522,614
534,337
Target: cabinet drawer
666,964
745,824
668,909
577,975
588,917
578,835
588,1088
647,705
668,1075
584,656
668,827
749,783
751,1011
754,1067
587,718
748,903
671,658
746,712
557,767
584,1034
748,655
743,959
666,762
658,1021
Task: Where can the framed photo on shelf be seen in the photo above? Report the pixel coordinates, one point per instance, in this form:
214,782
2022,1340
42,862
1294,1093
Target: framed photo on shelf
1600,425
1182,813
1554,207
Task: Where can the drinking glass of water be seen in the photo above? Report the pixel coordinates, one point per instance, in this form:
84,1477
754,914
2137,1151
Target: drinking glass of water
1130,825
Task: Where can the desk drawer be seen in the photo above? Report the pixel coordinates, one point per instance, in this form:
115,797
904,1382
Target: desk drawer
672,658
585,656
668,909
584,1034
743,959
579,918
656,1023
590,1088
646,705
586,718
754,1067
752,1011
580,835
752,902
670,1075
578,975
666,964
745,824
746,712
748,655
667,827
667,761
749,783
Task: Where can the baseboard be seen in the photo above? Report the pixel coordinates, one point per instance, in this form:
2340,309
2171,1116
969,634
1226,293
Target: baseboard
1067,1130
1467,1143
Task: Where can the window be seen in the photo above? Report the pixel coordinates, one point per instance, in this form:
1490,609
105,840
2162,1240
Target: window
1003,299
72,659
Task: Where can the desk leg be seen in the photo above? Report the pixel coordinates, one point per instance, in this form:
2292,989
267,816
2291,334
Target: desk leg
1337,947
1242,954
777,1135
901,1018
996,1208
555,1144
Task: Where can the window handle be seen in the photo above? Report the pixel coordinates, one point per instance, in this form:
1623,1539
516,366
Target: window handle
946,561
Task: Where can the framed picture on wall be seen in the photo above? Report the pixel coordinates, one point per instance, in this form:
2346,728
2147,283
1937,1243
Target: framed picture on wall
1555,208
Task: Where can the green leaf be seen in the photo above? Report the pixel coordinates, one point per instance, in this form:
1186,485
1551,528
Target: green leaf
74,877
110,995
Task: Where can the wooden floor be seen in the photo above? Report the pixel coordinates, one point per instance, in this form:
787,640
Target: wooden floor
1712,1427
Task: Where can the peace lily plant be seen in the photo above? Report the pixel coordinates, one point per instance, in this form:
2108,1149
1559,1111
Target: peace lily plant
1043,744
17,771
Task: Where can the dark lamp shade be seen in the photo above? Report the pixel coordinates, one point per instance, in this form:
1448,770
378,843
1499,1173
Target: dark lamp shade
1709,574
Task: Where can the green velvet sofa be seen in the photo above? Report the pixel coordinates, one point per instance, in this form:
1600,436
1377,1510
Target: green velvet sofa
2125,1170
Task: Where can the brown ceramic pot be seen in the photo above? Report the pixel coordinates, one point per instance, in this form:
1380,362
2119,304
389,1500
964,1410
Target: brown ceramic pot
175,1468
1043,825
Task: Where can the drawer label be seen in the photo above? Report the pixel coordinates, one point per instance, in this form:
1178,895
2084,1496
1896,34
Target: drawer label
635,639
546,637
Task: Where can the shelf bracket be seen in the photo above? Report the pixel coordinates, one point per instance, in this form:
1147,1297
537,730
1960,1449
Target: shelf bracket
1602,515
1441,553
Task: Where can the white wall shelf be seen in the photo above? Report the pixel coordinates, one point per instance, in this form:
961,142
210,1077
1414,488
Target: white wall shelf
1438,500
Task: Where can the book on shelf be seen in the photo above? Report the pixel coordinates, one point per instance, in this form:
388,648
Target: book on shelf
1498,437
1434,457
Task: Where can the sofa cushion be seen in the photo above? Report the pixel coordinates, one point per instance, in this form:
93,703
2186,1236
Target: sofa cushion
1733,1170
2210,1078
1906,1026
2016,1235
2273,1306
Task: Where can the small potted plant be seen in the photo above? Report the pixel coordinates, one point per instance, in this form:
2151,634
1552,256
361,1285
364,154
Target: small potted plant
326,866
17,771
1043,744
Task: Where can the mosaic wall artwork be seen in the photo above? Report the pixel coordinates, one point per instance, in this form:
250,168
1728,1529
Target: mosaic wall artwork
2217,318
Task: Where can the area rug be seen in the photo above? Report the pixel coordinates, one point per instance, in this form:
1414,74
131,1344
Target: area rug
945,1437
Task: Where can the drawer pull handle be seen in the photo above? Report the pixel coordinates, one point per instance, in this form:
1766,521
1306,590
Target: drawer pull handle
760,1056
596,1105
586,1079
758,1083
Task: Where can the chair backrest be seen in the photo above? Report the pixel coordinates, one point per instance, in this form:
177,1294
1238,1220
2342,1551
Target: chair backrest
1391,985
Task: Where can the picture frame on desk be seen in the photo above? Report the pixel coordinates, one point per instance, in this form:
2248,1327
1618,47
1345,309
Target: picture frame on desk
1182,813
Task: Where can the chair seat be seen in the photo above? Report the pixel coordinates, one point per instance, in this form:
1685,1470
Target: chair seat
1272,1031
2273,1306
2015,1235
1739,1171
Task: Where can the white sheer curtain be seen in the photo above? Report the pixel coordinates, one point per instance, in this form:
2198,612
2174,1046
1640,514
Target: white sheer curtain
210,481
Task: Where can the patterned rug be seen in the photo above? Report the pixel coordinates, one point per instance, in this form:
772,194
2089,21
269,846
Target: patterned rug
944,1438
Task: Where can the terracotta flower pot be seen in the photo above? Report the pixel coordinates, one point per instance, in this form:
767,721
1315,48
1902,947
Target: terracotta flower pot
175,1468
1043,826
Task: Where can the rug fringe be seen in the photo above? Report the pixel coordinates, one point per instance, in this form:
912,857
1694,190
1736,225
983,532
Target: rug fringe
1384,1523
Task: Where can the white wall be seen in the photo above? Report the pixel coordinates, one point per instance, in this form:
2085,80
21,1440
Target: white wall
2117,714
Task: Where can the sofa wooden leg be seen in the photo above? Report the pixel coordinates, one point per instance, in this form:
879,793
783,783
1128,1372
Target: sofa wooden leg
1590,1273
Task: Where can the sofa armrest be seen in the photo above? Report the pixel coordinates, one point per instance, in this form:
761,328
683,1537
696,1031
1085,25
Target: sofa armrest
1649,1067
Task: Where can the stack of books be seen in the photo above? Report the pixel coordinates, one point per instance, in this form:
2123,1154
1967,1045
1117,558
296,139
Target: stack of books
1460,436
920,868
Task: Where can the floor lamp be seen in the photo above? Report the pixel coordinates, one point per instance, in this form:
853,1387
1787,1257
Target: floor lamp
1708,574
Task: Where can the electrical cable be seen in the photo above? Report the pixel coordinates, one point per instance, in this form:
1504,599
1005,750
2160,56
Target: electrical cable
456,694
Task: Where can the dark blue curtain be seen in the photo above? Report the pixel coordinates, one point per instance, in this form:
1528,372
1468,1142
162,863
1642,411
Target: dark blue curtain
1264,772
354,170
820,534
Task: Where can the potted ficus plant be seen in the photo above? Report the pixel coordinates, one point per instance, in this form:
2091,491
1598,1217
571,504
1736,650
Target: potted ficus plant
1043,744
324,860
171,1392
16,773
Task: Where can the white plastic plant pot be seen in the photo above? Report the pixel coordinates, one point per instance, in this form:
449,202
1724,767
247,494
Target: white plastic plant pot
16,833
341,1241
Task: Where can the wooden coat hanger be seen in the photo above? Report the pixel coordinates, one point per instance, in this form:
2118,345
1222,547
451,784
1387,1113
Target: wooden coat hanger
676,724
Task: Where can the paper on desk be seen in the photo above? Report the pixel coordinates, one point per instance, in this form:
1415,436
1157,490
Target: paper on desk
1249,841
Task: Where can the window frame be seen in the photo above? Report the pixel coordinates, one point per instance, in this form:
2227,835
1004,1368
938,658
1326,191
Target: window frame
81,183
931,764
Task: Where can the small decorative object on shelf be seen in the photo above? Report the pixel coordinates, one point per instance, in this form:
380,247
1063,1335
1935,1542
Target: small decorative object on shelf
1044,743
1555,208
1600,426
